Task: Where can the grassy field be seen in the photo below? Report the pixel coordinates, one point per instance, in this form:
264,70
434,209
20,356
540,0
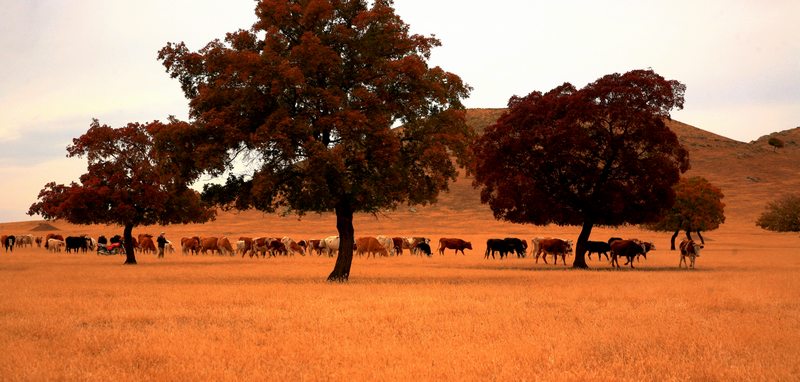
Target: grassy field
87,317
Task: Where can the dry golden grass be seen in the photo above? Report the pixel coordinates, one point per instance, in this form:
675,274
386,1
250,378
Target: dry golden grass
87,317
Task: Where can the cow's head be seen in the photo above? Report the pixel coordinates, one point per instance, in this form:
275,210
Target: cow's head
468,245
569,246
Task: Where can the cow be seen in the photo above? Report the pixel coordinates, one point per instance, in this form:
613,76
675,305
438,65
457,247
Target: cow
146,244
260,245
190,245
208,244
292,246
625,248
543,246
314,247
370,246
455,244
424,248
648,246
387,244
25,240
76,243
397,242
691,249
411,243
520,246
497,245
330,245
8,242
277,247
168,247
52,236
55,245
39,241
598,247
224,246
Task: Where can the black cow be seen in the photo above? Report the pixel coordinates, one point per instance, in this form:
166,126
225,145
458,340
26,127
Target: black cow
520,246
598,247
76,243
424,248
497,245
8,242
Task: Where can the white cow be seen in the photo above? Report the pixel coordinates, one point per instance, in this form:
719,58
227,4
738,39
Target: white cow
55,245
387,243
330,245
292,247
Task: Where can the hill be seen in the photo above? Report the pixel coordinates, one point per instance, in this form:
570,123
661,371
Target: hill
749,174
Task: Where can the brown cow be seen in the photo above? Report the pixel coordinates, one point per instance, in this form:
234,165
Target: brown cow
398,245
261,245
543,246
292,246
314,247
146,244
190,244
626,248
248,245
453,243
277,247
224,246
691,250
370,246
208,244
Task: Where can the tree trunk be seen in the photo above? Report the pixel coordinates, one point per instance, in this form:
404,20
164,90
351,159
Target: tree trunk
689,234
344,224
701,238
127,238
580,247
672,241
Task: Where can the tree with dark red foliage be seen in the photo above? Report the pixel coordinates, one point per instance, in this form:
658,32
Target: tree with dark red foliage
305,102
600,155
132,180
698,207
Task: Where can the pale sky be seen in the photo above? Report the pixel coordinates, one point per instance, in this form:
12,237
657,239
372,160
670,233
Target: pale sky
66,62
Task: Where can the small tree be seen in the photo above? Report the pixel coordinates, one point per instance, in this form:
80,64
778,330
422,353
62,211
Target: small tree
781,215
698,207
776,143
128,182
310,94
598,155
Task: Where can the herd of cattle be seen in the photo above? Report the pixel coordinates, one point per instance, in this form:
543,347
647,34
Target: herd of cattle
613,249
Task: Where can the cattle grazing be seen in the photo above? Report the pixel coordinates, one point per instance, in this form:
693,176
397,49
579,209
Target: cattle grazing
397,242
146,244
190,245
520,246
496,245
276,247
598,247
52,236
455,244
387,243
76,243
411,243
25,241
690,249
314,247
543,246
330,245
224,246
292,246
247,245
261,245
8,242
625,248
424,248
39,241
370,246
647,246
208,244
55,245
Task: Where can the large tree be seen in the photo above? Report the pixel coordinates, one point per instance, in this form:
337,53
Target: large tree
132,180
597,155
781,215
306,101
698,207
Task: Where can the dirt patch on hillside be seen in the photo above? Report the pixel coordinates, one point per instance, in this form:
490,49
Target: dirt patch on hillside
45,227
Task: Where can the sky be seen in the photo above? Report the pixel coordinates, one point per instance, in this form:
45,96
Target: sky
65,62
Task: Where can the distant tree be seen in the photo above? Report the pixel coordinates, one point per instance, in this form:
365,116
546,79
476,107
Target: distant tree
781,215
776,143
128,182
698,207
599,155
309,95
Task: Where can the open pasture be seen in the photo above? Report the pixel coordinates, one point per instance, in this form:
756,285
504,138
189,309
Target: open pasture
87,317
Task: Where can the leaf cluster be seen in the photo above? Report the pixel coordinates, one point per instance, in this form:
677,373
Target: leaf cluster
698,207
600,154
309,95
781,215
128,181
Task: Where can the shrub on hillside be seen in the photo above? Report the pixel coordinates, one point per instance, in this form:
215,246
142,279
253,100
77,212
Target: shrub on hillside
782,215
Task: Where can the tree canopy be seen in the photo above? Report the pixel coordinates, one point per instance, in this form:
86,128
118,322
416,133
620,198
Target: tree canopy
128,182
698,207
597,155
308,97
781,215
